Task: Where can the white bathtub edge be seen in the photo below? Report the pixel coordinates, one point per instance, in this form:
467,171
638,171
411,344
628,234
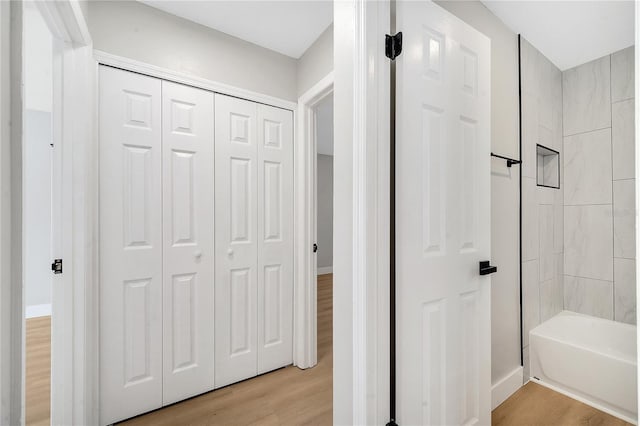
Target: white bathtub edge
585,401
506,387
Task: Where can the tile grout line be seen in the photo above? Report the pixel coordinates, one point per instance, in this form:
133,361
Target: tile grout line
589,278
622,100
599,129
563,179
613,222
591,204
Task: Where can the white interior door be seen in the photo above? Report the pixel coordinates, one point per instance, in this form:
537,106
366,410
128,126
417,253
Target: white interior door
442,219
130,244
187,146
254,239
236,240
275,238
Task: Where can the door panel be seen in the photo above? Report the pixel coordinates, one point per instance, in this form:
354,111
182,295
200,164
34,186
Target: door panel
442,218
188,148
130,244
275,231
236,274
275,238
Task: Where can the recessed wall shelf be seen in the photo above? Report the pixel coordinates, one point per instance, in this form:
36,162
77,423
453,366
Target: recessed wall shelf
547,167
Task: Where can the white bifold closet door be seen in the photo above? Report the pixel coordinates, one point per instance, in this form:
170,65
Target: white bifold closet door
187,151
156,243
130,244
254,239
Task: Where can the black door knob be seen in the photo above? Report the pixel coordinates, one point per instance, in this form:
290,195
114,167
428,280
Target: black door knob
486,268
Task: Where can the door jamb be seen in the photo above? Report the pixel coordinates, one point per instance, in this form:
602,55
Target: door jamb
305,324
362,213
71,378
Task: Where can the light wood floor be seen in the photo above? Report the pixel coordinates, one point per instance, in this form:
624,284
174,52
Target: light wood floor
38,371
537,405
292,396
288,396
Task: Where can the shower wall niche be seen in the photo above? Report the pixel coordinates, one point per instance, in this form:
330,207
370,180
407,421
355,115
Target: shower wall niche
548,167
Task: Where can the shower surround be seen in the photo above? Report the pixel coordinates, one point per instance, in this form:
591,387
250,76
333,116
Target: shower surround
542,207
578,241
599,194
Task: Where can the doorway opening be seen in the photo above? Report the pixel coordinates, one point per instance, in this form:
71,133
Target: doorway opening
38,127
323,130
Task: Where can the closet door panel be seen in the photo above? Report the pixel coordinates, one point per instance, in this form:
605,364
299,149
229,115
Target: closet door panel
275,238
236,240
130,244
188,149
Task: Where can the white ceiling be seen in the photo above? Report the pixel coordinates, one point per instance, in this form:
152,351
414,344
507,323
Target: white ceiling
324,126
288,27
570,33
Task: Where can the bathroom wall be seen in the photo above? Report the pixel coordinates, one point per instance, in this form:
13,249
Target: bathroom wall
542,207
599,195
505,289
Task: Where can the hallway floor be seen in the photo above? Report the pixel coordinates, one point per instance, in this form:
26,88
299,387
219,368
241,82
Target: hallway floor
288,396
534,404
38,371
293,396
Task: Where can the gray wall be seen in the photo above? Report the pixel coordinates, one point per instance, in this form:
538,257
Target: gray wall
137,31
325,211
599,195
316,62
542,208
38,92
505,292
37,208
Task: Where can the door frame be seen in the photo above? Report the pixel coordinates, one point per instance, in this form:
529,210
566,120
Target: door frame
305,324
71,386
361,269
361,266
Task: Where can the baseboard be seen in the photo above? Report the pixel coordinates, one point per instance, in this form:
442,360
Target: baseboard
38,310
325,270
506,387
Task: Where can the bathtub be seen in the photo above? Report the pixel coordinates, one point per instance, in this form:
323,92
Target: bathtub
589,359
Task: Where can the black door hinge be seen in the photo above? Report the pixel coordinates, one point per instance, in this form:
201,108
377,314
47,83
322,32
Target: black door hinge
393,45
315,247
56,266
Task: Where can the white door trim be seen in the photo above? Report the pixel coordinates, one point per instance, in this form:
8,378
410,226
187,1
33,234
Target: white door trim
128,64
74,301
72,384
11,292
305,324
362,213
7,397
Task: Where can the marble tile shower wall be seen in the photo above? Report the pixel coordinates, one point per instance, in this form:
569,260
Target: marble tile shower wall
542,207
599,187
